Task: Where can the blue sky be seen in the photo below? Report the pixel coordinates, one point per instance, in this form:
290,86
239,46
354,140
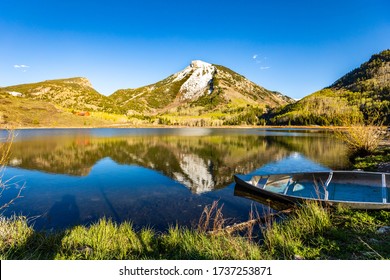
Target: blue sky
295,47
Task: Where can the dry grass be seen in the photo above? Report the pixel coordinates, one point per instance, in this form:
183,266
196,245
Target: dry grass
5,149
24,112
211,218
362,139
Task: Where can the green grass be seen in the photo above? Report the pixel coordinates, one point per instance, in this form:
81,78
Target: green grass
310,232
294,236
108,240
354,235
371,162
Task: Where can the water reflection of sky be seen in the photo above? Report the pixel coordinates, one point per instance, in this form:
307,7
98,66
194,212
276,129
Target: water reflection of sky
152,177
293,163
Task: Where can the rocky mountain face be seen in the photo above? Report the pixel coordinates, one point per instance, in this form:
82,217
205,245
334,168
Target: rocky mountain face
361,95
199,82
236,86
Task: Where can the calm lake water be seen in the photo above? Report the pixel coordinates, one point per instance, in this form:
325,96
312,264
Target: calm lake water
152,177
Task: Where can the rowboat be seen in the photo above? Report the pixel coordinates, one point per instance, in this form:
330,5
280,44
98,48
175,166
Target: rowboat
354,189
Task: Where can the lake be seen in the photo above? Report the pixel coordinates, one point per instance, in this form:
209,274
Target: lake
154,177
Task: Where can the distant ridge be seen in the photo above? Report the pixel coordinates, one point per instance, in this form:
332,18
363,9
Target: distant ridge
74,93
373,75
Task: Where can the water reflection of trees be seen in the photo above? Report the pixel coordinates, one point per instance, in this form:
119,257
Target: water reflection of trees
202,163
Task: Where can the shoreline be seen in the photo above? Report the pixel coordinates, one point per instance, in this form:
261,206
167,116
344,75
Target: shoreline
120,126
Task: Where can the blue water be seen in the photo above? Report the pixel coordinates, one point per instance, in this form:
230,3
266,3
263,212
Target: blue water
152,177
293,163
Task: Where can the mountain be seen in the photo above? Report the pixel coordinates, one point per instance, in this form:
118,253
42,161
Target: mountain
17,111
74,93
54,103
373,75
202,92
361,95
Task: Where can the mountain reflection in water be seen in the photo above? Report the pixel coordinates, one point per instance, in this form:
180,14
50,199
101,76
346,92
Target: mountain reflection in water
139,174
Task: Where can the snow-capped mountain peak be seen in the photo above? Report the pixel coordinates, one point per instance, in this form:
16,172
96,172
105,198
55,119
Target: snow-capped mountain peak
200,80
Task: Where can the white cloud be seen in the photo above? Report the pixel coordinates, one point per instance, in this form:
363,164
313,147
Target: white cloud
262,60
258,59
21,66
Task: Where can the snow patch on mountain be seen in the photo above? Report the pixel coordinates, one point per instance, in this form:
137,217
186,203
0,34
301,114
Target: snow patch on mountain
200,80
182,74
15,93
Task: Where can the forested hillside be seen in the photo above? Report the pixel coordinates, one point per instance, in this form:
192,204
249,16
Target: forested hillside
362,95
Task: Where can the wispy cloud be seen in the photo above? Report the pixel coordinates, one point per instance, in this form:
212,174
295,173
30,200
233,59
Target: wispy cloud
262,61
258,59
21,67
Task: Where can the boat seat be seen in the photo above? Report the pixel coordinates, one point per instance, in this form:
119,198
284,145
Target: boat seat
261,183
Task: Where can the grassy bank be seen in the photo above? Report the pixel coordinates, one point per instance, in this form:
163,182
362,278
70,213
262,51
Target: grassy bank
310,232
368,146
379,160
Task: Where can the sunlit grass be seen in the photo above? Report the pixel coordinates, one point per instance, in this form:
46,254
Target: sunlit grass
309,232
289,239
362,139
106,240
371,162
